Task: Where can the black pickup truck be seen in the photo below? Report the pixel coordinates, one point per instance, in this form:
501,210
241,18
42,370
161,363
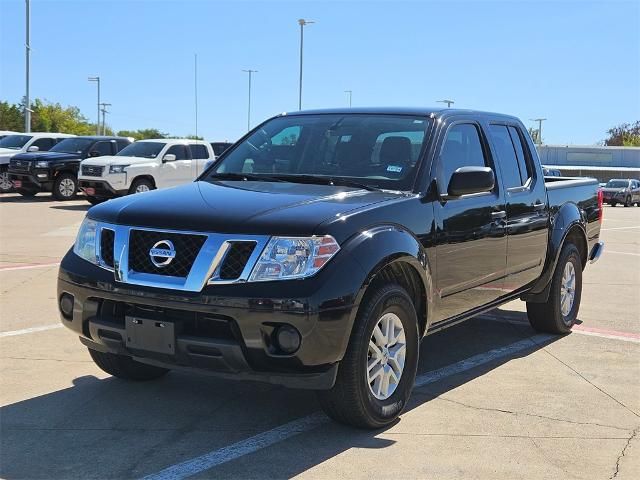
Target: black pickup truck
319,249
56,170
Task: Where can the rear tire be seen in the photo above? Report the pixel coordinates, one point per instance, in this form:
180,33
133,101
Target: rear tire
367,393
560,311
125,367
65,187
141,185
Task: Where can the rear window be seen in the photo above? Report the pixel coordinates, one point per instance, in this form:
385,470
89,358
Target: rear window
198,151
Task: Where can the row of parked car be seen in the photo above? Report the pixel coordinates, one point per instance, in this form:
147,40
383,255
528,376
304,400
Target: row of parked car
102,167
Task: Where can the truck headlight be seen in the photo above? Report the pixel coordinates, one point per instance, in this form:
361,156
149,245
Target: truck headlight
85,246
288,258
117,168
42,164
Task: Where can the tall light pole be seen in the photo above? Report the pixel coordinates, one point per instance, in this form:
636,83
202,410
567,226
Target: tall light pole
97,80
250,72
349,94
539,120
302,22
27,100
448,102
104,111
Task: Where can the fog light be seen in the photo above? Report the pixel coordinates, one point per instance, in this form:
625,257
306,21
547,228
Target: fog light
66,305
287,338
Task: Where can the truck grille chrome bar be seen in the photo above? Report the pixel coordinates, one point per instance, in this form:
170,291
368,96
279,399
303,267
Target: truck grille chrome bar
175,259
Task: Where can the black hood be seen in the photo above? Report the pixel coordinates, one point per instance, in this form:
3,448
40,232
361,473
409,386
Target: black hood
277,208
49,156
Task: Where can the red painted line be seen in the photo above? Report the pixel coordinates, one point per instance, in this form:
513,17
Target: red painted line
603,331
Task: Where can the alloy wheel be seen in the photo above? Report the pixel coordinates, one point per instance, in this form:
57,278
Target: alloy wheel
567,289
386,356
67,187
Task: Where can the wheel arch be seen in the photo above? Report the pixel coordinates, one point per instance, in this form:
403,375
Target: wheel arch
567,226
390,253
144,176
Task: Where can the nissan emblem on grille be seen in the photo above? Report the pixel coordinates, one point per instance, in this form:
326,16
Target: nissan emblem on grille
162,253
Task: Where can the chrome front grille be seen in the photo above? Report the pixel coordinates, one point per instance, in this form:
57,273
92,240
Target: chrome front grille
197,258
92,170
22,165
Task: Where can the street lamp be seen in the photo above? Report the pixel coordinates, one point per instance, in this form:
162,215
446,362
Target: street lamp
302,22
27,100
104,111
539,120
250,72
448,102
97,80
349,94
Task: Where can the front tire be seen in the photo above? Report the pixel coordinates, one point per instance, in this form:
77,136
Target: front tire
5,184
141,185
125,367
65,187
376,375
560,311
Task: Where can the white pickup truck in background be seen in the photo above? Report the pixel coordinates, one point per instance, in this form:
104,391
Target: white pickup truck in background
12,144
142,166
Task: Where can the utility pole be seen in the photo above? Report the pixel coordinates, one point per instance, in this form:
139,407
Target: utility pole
539,120
97,80
104,112
302,22
349,94
448,102
250,72
27,100
195,88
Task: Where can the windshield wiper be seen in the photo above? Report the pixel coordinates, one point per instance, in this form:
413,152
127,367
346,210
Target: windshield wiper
243,177
322,180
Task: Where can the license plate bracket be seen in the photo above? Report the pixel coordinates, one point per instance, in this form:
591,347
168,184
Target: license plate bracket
150,335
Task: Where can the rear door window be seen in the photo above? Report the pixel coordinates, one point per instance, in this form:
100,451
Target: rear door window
506,152
199,151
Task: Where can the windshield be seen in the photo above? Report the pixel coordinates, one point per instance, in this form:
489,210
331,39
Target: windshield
15,141
142,149
72,145
617,184
379,151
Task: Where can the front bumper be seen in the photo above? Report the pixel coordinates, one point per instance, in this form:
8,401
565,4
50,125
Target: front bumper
225,330
40,179
100,189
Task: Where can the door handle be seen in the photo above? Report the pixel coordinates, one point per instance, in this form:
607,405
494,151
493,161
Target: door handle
539,206
498,215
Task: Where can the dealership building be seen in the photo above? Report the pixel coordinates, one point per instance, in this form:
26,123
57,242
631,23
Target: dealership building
603,163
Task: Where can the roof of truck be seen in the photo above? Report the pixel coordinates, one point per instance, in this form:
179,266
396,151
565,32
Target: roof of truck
417,111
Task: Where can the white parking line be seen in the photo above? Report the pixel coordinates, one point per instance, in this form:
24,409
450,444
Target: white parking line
29,267
623,253
618,228
222,455
13,333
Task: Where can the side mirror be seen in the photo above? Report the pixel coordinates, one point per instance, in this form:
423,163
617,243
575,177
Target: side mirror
169,157
33,148
94,153
468,180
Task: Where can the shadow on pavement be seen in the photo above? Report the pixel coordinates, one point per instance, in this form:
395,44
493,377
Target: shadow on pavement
79,208
114,429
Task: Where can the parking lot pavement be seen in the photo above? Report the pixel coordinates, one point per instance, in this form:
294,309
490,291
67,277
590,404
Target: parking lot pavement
493,398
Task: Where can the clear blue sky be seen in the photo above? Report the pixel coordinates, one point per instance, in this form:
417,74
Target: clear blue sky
576,63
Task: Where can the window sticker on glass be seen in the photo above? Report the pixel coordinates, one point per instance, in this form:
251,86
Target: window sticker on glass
394,168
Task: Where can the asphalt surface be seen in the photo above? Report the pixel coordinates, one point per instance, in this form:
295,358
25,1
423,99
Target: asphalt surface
494,400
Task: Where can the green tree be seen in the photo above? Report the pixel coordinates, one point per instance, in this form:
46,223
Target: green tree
142,134
11,117
624,135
